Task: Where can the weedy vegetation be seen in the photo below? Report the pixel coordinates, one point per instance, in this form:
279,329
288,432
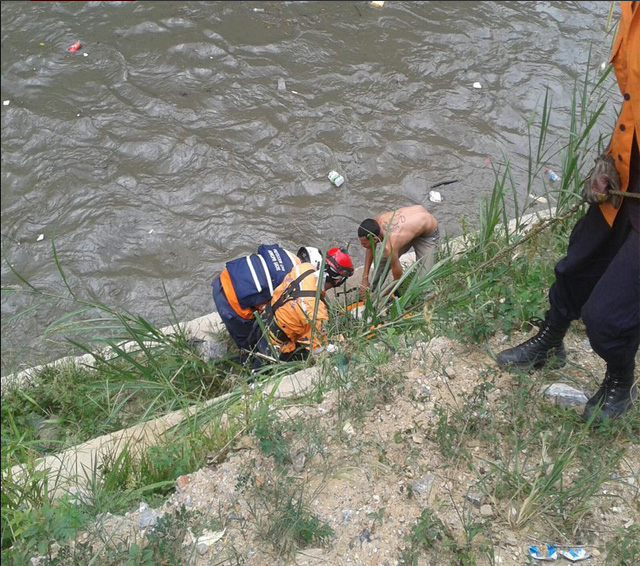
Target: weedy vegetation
539,468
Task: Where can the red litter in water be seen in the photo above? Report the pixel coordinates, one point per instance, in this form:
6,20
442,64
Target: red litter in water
74,47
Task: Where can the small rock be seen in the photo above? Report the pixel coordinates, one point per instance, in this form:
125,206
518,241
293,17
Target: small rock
348,429
475,498
565,395
347,516
298,458
365,536
486,511
209,350
595,552
423,485
417,439
148,517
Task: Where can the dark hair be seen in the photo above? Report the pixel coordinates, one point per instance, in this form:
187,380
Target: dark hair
369,227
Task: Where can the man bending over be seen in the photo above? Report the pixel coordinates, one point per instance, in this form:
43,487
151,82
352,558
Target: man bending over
410,227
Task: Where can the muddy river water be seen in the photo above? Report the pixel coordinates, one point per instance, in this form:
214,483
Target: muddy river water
182,134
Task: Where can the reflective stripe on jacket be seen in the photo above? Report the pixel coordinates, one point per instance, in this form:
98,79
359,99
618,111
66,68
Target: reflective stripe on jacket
248,282
295,317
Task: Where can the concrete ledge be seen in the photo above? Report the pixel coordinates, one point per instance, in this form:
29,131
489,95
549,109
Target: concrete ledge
74,470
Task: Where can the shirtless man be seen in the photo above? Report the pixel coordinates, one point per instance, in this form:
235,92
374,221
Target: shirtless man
400,230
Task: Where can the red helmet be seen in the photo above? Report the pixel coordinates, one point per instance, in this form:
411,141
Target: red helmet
338,265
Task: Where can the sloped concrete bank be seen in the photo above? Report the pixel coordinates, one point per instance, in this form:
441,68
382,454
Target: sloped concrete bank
73,468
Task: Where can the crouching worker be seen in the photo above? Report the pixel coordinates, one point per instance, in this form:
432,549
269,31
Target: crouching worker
246,285
294,320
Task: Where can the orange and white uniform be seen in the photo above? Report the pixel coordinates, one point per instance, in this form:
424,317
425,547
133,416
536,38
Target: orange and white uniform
301,305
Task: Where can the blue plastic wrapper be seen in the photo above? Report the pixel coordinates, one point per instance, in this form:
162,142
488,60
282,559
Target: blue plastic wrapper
546,552
575,554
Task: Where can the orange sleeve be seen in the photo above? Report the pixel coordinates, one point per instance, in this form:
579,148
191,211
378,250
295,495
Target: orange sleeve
625,58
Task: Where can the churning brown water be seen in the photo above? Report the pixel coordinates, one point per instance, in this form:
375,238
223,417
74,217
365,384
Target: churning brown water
182,134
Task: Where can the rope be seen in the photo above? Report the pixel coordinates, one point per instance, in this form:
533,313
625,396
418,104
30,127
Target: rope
627,195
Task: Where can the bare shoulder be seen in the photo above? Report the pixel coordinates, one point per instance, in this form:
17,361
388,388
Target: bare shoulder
407,222
415,210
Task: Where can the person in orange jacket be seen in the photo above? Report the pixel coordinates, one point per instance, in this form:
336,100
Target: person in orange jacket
293,323
599,279
246,284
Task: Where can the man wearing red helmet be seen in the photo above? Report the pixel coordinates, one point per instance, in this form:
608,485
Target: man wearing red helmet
294,320
400,230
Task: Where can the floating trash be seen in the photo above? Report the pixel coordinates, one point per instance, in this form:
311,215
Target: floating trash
6,102
74,47
477,85
435,196
282,85
335,178
40,238
552,175
377,4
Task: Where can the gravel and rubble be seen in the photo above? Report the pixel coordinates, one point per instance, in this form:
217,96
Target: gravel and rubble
370,478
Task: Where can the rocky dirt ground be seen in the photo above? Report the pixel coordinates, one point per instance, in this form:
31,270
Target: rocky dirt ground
370,479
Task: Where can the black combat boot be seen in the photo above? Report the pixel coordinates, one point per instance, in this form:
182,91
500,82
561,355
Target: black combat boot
544,348
615,396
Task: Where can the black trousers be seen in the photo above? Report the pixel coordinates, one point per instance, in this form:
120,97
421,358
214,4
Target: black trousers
599,281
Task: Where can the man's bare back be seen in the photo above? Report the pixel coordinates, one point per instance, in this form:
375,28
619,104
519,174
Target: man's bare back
406,224
399,230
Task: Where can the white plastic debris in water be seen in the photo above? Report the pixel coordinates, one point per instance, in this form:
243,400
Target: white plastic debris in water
435,196
40,238
477,85
85,55
603,65
377,4
575,554
281,84
335,178
151,231
6,102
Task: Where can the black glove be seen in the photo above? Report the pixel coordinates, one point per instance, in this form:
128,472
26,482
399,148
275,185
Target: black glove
602,179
